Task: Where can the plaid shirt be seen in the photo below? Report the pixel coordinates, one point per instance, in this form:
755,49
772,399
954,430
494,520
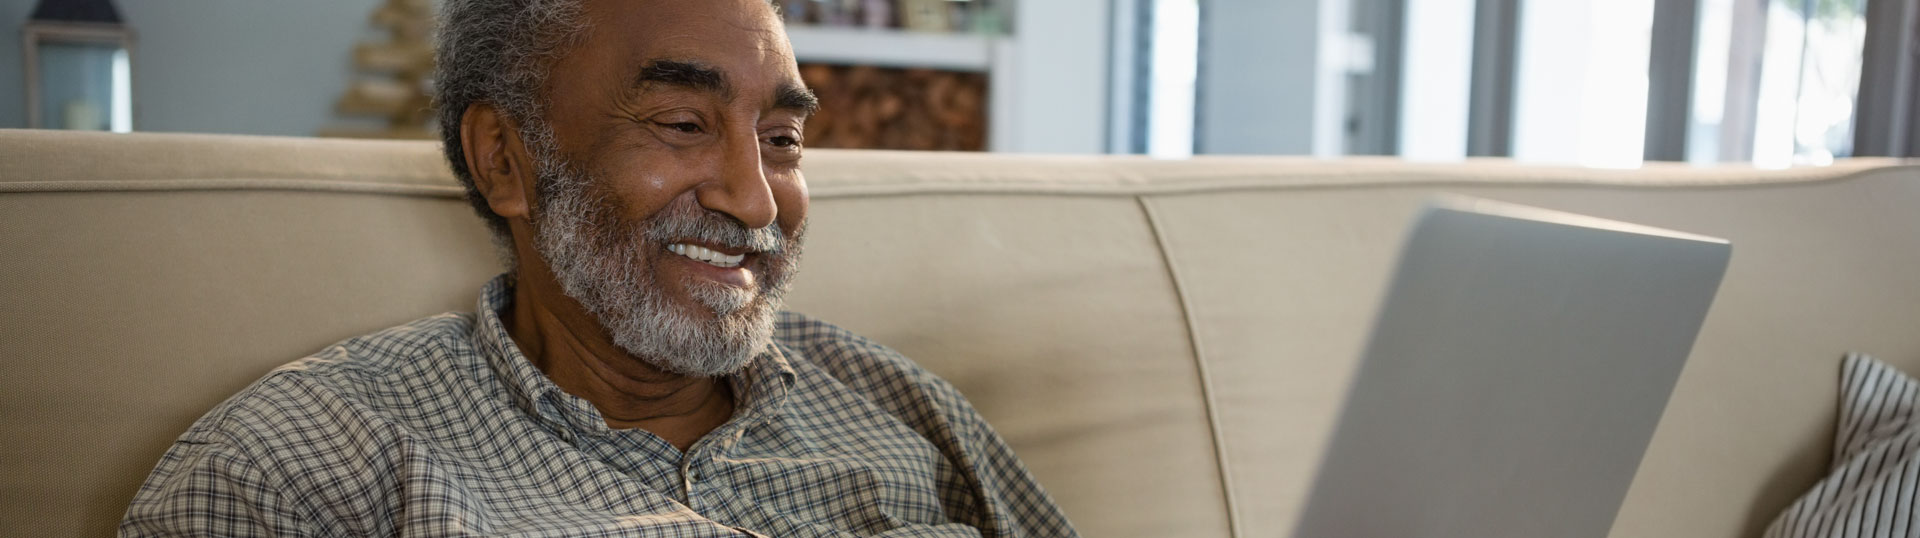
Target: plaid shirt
441,427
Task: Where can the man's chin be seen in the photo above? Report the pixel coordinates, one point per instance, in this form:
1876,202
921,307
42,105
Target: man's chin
694,338
716,359
717,302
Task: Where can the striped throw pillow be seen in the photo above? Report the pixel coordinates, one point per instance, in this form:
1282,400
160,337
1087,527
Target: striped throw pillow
1874,488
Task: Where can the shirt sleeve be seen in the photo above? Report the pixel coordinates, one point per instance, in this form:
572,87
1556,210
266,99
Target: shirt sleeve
1016,504
210,489
987,487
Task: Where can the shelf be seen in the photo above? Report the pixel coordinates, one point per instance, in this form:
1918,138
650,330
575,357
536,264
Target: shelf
892,48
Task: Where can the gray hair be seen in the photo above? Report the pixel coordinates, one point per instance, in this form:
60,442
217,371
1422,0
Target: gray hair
498,52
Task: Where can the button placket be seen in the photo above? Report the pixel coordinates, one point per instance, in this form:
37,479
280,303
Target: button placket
688,475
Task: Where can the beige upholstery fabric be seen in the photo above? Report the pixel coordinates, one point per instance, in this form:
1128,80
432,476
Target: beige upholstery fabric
128,313
1818,269
1165,343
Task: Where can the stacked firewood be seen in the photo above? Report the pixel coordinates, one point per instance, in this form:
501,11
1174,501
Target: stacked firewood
870,107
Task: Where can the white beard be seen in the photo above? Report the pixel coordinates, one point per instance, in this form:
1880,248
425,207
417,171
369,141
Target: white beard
603,261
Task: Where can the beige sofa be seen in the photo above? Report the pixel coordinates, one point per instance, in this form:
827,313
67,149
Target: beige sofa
1165,343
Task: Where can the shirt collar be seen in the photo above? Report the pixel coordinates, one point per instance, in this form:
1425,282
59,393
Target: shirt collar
760,389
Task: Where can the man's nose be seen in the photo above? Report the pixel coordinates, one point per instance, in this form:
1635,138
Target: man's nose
741,190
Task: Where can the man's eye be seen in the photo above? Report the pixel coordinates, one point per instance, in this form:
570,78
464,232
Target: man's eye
784,141
689,128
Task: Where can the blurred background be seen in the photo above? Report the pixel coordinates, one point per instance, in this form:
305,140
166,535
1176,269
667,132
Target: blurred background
1610,83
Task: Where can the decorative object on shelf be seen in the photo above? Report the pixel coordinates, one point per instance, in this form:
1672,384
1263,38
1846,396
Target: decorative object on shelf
926,15
395,74
868,107
945,16
877,14
79,66
837,12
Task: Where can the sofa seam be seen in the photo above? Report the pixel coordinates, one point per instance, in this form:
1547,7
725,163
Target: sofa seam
847,189
877,188
1201,371
1086,179
256,185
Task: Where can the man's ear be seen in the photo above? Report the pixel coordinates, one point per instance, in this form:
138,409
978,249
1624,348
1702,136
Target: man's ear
501,170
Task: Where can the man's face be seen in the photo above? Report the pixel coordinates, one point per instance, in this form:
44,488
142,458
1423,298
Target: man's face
670,202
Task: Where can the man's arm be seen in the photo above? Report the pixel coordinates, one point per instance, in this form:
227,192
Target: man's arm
991,489
1017,503
210,489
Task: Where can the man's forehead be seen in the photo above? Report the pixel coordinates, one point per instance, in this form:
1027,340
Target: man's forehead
733,39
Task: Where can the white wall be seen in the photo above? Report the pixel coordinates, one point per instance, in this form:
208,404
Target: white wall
1057,78
13,86
242,66
1580,90
1269,78
220,66
1434,88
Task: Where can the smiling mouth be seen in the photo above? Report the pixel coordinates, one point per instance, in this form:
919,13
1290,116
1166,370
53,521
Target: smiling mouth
707,255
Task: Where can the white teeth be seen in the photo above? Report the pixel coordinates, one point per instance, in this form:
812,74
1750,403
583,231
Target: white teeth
707,255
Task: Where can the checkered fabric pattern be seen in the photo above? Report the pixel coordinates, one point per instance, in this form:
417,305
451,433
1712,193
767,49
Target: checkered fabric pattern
441,427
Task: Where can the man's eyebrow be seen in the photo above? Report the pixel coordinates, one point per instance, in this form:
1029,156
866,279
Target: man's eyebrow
685,74
796,97
697,76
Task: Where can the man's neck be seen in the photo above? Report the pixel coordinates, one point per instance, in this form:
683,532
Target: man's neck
569,346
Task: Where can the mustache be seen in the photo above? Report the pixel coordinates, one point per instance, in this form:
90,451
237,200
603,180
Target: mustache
681,222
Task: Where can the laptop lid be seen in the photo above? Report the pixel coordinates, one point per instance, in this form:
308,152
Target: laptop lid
1518,367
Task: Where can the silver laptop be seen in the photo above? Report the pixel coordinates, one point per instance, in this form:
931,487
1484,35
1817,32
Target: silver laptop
1515,375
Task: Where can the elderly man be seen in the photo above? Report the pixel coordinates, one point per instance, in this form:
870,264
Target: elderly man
632,376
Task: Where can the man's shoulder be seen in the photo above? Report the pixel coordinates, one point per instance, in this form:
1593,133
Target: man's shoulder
356,376
1003,494
386,354
876,371
830,346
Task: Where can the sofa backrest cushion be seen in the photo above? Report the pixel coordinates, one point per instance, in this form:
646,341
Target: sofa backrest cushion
1165,343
